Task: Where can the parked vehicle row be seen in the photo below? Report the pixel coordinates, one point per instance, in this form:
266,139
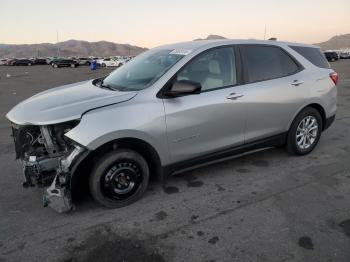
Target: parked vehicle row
67,61
335,55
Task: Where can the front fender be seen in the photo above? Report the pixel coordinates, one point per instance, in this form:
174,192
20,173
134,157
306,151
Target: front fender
126,120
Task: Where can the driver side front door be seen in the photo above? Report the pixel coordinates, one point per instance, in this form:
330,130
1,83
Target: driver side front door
213,120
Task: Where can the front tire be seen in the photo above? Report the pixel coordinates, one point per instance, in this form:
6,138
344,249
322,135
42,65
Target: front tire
119,178
305,132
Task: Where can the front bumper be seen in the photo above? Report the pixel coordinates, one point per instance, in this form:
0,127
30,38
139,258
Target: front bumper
53,174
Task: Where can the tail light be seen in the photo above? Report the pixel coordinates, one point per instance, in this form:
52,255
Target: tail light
334,76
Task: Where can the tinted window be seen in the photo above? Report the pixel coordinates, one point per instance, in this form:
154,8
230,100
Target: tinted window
312,54
267,62
212,69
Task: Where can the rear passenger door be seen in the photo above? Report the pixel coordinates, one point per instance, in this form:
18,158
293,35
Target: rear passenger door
275,90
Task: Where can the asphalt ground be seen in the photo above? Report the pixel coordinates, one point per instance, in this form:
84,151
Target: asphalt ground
267,206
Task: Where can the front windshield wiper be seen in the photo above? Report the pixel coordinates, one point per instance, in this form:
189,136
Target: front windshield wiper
107,87
100,83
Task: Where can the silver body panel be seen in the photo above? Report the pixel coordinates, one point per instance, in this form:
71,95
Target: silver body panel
64,103
184,127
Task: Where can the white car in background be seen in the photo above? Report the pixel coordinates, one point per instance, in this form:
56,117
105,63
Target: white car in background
121,60
106,62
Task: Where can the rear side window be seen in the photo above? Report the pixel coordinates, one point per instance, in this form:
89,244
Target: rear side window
312,54
267,62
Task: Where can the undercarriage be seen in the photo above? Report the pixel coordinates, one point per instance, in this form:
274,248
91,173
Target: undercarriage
48,157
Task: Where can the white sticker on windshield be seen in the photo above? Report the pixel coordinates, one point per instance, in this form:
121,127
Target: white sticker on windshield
180,52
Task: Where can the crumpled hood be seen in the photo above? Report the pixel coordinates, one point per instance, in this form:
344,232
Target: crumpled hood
64,103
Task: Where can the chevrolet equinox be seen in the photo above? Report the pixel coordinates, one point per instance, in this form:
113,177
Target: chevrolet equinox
169,109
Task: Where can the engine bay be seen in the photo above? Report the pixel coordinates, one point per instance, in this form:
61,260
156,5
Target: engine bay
47,156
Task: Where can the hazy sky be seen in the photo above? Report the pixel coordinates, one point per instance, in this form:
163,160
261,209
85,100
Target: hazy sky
150,23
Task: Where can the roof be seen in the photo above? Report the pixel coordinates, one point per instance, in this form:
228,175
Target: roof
199,44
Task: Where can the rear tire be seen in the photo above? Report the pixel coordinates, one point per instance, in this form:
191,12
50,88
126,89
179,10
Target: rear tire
305,132
119,178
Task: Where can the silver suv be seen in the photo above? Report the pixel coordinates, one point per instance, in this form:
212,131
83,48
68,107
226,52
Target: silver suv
172,108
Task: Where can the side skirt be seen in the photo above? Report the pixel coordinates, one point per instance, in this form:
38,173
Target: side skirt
219,156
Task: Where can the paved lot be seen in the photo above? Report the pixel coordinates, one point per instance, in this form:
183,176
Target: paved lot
268,206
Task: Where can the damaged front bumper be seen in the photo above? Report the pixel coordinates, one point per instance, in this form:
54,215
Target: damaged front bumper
58,194
58,170
48,162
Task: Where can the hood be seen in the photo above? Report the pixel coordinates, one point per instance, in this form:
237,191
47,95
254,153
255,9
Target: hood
64,103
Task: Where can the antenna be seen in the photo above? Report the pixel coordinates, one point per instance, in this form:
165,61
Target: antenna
265,33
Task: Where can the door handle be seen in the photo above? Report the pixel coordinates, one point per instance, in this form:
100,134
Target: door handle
297,83
234,96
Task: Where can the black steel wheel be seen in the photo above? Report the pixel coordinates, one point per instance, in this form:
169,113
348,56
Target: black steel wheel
119,178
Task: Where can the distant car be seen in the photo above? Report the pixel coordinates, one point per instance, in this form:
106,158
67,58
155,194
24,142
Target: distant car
22,62
122,61
106,62
10,61
39,61
50,59
64,63
345,55
331,56
84,61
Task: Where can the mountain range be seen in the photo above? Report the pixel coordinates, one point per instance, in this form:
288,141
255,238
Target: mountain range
70,48
105,48
337,42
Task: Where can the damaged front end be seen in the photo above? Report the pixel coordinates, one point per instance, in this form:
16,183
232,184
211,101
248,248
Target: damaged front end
48,157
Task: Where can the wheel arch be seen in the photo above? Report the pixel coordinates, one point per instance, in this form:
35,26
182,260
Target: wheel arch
316,106
81,172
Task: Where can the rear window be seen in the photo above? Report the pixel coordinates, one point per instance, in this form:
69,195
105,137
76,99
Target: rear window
312,54
267,62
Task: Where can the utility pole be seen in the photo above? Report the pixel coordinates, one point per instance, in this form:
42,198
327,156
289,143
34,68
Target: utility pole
58,48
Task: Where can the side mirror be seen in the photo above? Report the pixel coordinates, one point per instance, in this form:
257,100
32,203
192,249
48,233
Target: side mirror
183,88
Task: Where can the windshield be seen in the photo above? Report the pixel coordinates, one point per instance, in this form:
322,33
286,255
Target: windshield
142,71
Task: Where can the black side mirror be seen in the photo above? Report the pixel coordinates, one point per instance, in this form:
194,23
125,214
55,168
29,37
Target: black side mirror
183,88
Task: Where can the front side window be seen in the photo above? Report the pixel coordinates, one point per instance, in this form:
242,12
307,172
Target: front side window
143,70
212,69
267,62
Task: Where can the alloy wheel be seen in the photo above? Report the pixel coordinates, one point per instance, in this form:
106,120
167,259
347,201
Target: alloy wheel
307,132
